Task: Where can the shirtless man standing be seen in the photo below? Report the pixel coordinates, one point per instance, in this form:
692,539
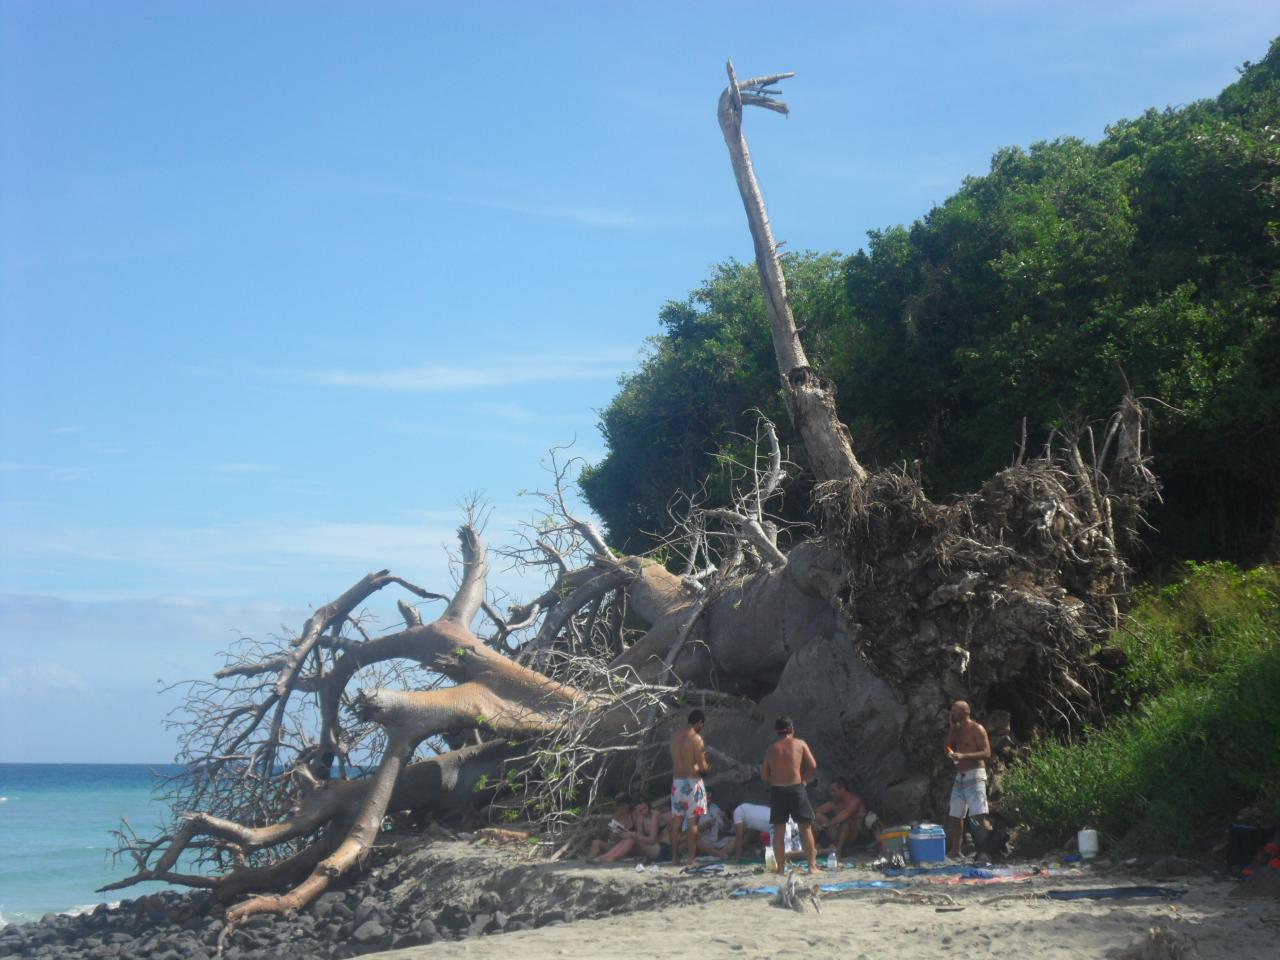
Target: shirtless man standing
969,749
788,765
688,794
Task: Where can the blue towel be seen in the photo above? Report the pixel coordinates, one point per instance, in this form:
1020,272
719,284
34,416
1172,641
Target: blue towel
969,873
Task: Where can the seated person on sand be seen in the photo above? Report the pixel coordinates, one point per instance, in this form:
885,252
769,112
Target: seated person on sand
839,820
623,819
641,842
713,837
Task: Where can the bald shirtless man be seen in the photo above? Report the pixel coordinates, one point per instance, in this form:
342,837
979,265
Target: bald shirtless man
688,794
969,749
788,765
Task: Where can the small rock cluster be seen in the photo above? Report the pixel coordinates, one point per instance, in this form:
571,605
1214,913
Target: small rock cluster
170,926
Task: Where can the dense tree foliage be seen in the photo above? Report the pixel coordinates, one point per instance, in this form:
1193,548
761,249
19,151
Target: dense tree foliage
1036,291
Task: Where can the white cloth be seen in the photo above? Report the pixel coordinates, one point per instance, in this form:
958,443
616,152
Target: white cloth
754,815
711,822
790,839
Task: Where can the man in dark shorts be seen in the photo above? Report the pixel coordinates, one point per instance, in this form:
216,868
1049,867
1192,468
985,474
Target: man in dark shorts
788,764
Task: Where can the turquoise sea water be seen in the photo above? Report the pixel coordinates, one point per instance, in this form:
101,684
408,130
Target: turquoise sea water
55,841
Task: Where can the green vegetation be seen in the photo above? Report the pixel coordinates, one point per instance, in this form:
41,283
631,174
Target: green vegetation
1202,738
1037,290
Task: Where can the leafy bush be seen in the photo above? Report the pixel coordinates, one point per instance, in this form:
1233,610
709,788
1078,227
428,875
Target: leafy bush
1193,631
1203,737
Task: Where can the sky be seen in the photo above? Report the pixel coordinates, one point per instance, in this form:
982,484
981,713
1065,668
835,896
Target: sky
282,284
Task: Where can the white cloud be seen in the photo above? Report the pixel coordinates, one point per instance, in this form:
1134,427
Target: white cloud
253,544
101,446
588,216
308,559
38,679
506,411
60,474
243,468
61,431
436,378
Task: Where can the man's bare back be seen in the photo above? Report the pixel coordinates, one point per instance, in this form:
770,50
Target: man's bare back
788,762
688,793
788,765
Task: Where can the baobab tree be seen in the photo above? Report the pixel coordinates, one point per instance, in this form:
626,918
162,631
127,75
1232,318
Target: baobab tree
863,626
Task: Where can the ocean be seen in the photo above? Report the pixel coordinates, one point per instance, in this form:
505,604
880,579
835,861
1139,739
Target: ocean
55,840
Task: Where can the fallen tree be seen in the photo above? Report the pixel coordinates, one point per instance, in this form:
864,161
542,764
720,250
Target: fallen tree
863,627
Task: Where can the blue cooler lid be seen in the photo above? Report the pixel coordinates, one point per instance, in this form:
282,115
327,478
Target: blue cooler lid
928,831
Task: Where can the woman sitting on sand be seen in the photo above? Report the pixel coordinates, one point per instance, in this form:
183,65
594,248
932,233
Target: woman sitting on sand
624,819
642,842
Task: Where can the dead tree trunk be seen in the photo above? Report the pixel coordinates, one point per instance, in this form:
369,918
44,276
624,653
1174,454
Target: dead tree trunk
810,399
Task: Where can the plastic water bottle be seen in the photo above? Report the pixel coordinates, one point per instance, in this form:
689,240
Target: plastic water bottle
832,862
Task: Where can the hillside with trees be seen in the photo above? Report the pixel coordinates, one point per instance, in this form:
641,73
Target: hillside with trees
1028,301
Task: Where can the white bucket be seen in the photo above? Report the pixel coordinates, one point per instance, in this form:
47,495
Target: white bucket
1087,840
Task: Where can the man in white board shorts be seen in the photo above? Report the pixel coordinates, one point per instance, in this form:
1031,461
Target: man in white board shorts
968,747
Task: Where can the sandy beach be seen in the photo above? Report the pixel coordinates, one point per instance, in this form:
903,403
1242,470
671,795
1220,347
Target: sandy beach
861,924
462,896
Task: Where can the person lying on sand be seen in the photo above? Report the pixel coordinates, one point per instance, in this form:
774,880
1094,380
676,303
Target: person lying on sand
641,842
623,820
713,837
787,766
839,820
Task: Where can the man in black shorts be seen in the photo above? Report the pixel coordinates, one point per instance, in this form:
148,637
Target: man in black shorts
788,764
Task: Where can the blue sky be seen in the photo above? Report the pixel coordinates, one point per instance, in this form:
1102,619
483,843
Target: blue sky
282,283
